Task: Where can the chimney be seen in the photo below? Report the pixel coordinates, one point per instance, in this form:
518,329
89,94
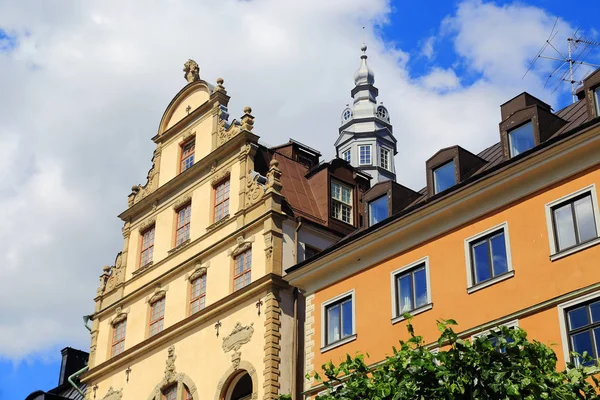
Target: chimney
72,361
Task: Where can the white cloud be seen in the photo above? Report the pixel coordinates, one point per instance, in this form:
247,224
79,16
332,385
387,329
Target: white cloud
85,87
427,49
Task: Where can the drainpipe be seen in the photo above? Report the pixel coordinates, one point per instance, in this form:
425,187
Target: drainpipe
298,225
86,318
295,347
75,375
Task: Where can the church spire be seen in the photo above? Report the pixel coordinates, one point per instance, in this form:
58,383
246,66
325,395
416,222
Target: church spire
365,137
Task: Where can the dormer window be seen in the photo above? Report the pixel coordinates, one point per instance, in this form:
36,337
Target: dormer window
521,139
187,154
341,202
597,100
444,177
378,210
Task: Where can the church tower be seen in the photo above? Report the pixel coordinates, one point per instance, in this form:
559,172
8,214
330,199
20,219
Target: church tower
365,137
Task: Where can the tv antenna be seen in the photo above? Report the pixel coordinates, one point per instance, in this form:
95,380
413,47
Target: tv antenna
578,50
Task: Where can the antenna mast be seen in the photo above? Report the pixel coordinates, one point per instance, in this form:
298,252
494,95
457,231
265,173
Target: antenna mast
573,59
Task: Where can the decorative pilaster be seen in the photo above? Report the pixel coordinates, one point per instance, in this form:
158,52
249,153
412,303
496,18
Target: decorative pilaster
272,359
309,342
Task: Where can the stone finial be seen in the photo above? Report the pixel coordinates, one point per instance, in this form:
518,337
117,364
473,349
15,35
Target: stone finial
220,87
192,71
274,177
247,119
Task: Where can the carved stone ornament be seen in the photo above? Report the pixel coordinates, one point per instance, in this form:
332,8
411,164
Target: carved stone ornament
199,271
220,175
239,336
226,131
117,273
159,293
268,245
254,190
182,201
113,394
192,71
188,135
147,224
241,246
121,315
138,192
170,373
274,177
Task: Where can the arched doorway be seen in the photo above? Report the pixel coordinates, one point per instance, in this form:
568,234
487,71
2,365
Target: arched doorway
238,383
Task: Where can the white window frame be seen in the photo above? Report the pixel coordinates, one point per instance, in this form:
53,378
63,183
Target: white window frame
370,154
554,254
326,347
389,156
350,204
510,324
562,317
395,316
349,152
472,286
597,100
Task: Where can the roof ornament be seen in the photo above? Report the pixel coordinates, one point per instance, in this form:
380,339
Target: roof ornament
364,75
192,71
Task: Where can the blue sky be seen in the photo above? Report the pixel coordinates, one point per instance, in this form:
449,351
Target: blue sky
96,75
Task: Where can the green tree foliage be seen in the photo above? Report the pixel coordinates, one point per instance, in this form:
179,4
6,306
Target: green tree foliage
506,366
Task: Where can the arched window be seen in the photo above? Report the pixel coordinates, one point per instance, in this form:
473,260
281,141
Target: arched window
171,392
240,387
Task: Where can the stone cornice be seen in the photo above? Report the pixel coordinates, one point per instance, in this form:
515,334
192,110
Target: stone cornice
169,335
192,174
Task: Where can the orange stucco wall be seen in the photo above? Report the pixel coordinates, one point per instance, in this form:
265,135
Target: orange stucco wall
536,279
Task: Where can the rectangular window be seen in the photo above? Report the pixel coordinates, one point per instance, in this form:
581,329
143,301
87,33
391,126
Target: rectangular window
488,257
170,393
444,177
338,317
384,158
341,203
580,328
493,335
521,139
221,200
378,210
187,154
197,294
364,155
182,232
574,222
346,155
242,270
157,315
147,251
118,339
411,289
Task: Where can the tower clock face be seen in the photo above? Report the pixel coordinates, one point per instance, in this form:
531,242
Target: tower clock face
382,113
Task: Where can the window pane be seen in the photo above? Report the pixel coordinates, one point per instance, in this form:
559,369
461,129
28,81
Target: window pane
499,254
585,219
420,277
578,318
347,318
333,323
583,342
378,210
405,293
565,230
595,310
481,261
521,139
443,177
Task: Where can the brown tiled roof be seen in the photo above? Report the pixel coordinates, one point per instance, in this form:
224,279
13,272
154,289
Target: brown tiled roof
296,188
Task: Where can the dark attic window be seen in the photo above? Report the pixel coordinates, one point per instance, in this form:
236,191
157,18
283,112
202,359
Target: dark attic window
444,177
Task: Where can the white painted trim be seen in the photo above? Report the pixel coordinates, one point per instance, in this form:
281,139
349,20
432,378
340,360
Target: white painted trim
510,324
370,146
390,158
469,261
564,336
324,347
490,282
401,270
575,249
550,226
339,343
